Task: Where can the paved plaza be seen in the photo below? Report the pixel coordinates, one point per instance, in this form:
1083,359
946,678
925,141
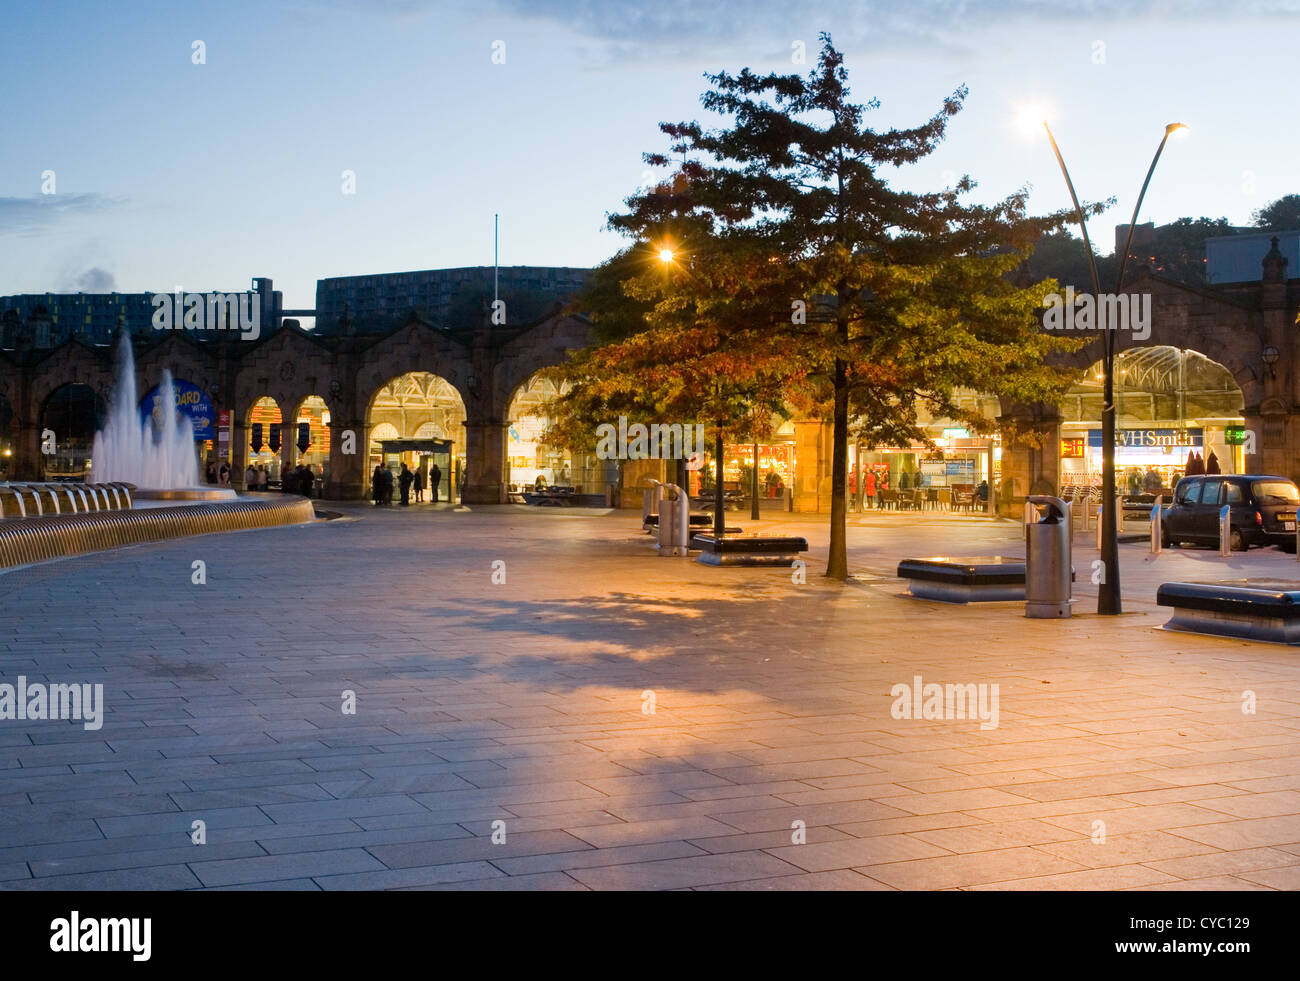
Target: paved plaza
608,719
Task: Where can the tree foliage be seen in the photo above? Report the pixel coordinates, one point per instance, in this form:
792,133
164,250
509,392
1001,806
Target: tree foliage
802,276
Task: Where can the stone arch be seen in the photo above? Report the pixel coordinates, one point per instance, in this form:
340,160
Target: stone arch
405,406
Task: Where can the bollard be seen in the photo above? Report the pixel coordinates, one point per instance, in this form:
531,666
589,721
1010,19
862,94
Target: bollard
650,499
1031,513
1225,530
1156,539
1098,529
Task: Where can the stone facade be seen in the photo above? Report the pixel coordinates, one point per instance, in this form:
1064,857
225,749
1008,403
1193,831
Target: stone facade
487,365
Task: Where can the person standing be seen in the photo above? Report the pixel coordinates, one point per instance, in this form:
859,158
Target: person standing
305,480
261,478
404,481
870,487
250,478
904,482
435,479
388,487
377,485
418,484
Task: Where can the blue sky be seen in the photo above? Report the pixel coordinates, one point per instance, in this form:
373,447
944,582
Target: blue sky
170,173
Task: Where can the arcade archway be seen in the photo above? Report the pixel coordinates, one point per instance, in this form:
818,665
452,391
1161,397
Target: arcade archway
1169,402
72,415
418,419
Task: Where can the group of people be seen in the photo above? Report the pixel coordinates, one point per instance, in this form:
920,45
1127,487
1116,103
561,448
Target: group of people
219,475
382,481
255,478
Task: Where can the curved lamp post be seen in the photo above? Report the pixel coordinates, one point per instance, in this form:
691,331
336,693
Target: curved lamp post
1108,594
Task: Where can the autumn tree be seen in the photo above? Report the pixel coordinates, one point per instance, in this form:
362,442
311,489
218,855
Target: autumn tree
810,275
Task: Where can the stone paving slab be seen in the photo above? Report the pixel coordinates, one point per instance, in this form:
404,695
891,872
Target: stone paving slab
524,703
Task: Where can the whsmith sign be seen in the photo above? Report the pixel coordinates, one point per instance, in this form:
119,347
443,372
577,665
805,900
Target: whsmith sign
1188,439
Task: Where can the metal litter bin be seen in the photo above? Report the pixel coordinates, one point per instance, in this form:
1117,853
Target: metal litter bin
1048,570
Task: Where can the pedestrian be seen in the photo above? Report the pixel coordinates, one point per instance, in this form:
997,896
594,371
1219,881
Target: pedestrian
404,482
388,487
870,487
212,471
419,485
305,480
435,479
223,475
377,485
261,478
250,478
904,482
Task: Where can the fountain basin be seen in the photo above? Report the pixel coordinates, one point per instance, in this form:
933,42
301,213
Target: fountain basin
45,537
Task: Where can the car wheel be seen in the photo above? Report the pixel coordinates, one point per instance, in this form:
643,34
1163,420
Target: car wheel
1237,541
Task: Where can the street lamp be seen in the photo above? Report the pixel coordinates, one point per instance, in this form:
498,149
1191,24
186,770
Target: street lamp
1108,593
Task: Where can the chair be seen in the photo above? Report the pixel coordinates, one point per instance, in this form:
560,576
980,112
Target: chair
888,499
945,499
932,498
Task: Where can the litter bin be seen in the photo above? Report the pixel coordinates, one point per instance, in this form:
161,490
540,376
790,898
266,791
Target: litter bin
1048,568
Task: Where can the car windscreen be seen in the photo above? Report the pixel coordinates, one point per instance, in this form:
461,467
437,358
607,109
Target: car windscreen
1275,492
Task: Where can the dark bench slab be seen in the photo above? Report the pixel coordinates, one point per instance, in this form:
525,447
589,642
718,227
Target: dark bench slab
965,579
1256,609
694,521
737,549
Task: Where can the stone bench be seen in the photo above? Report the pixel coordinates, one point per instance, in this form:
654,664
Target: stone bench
965,579
1255,609
737,549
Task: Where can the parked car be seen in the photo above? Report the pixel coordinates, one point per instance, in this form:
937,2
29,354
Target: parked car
1262,511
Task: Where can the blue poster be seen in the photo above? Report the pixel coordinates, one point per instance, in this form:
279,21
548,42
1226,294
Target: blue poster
191,401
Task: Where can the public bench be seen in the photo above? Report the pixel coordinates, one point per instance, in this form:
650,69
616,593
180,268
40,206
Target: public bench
1255,609
965,579
735,549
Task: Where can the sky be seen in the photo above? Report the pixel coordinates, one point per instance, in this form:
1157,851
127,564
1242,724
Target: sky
170,170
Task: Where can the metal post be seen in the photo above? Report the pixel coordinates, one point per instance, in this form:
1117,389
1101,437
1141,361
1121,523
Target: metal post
1101,528
753,487
1155,526
1225,530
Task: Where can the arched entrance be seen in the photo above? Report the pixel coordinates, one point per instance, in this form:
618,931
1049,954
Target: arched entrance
531,463
72,414
315,415
1169,402
418,419
265,429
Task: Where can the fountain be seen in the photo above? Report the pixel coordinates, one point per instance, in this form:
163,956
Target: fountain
142,489
158,459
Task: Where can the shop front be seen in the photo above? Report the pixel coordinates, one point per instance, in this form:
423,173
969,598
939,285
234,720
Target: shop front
1148,460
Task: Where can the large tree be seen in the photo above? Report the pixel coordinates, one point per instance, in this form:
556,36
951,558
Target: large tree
1282,215
807,268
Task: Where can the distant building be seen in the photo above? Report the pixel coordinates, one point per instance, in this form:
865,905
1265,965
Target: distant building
1235,258
447,298
45,320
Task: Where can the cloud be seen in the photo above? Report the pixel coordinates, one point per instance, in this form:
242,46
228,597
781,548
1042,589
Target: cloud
40,212
637,29
95,280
